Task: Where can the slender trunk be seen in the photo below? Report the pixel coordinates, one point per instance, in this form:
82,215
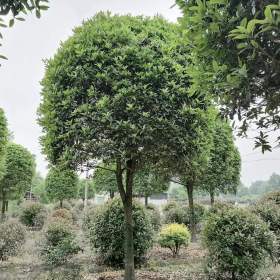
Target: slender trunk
146,201
192,215
86,195
3,208
112,194
61,203
212,198
126,196
6,206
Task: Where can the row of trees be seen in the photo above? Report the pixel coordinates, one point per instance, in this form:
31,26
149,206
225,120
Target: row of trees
117,92
17,167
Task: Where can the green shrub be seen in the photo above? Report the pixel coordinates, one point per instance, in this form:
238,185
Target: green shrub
63,213
175,213
219,207
88,218
107,236
174,236
59,243
170,205
12,237
270,213
155,217
273,197
33,214
238,243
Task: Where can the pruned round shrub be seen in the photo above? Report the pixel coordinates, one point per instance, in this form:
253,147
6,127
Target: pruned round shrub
173,237
219,207
273,197
238,243
59,243
12,237
63,213
33,214
269,212
107,233
175,213
170,205
155,217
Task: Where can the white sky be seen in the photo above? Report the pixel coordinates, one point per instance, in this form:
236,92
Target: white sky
28,43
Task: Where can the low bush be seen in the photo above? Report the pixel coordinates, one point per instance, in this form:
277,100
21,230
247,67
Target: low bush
269,212
59,243
88,218
33,214
12,237
273,197
173,237
107,233
175,213
238,243
155,217
63,213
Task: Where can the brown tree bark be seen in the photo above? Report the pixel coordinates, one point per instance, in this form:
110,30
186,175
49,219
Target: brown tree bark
146,201
112,194
126,196
212,198
61,203
191,206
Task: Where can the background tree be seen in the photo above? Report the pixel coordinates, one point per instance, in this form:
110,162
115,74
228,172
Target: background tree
120,96
15,9
235,51
147,182
20,169
104,181
3,142
38,188
90,189
222,174
61,184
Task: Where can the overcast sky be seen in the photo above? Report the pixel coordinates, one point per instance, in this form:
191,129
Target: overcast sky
28,43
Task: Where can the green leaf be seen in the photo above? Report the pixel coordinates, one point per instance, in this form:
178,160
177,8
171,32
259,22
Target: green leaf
3,57
11,22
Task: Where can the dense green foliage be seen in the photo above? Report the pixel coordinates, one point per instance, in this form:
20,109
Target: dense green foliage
238,243
222,173
83,183
61,184
12,237
20,169
59,243
38,188
173,237
155,216
235,52
33,214
175,213
107,233
3,142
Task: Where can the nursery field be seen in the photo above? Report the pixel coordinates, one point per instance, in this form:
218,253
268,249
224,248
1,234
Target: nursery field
160,266
159,263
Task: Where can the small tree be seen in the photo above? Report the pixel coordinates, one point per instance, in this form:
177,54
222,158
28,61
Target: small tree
61,184
116,92
20,169
3,142
82,185
222,173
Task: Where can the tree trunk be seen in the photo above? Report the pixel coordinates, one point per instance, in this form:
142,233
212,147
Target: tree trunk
6,206
61,203
192,215
212,198
146,201
3,208
86,195
126,196
112,194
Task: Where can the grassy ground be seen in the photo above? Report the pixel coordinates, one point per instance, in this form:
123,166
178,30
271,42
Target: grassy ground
160,266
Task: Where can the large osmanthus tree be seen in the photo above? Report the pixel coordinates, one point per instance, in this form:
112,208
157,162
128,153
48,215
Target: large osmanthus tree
222,173
236,52
116,92
19,172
